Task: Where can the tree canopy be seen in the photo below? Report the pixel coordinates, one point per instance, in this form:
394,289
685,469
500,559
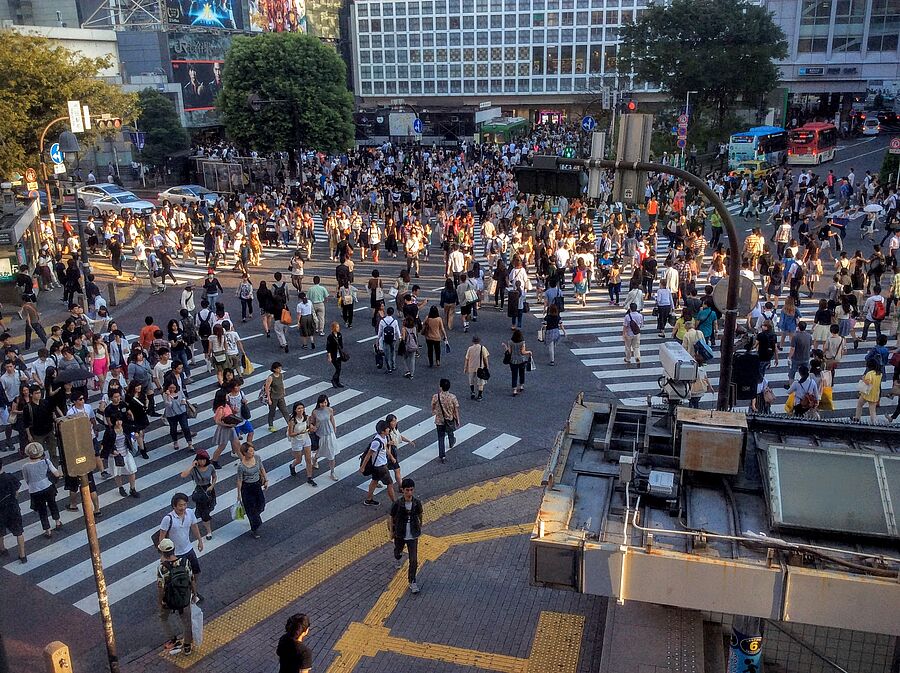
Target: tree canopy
160,122
723,49
304,81
37,77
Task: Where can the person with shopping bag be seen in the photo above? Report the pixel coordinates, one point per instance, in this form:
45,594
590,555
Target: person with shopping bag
174,580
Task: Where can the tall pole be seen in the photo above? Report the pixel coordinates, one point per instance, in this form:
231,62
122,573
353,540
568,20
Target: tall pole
82,243
99,578
687,111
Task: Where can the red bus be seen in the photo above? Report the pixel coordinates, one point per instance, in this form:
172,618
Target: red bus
812,143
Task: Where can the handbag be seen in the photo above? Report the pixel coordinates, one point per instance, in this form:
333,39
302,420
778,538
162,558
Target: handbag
483,372
157,536
531,365
245,410
449,423
507,357
541,333
232,420
345,356
191,409
237,512
526,308
286,318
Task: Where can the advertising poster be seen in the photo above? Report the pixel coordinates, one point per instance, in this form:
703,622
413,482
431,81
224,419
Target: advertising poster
197,61
278,16
205,13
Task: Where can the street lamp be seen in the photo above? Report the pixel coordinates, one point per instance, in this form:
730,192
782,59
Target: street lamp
68,144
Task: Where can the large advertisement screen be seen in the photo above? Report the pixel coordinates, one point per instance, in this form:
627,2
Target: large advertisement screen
205,13
278,16
197,60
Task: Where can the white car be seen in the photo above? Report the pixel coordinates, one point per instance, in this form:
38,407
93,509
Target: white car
188,194
871,127
89,193
117,204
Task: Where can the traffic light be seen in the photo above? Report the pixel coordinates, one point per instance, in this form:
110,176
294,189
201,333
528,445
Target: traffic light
111,124
632,106
569,153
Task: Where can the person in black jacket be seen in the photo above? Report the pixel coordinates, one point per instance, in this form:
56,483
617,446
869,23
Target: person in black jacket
406,527
334,346
11,513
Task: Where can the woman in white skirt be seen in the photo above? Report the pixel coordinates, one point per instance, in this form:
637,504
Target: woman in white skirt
298,435
321,422
117,444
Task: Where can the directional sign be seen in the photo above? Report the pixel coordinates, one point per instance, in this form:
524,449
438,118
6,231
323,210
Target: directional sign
895,146
55,154
588,123
417,125
681,142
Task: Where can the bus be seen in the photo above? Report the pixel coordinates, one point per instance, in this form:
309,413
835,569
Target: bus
812,143
763,143
503,130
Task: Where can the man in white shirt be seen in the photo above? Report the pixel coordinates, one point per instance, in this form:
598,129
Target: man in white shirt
456,265
178,525
632,324
375,464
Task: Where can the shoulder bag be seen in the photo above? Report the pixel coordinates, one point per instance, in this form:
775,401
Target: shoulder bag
449,423
482,372
157,536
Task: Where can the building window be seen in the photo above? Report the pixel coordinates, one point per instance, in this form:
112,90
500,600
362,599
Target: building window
468,23
442,86
403,86
468,37
363,10
414,25
537,60
814,20
497,85
389,40
388,25
848,25
496,69
415,71
469,70
456,71
482,69
413,8
552,19
429,87
469,85
415,40
537,85
552,60
468,55
523,86
496,53
509,69
568,18
596,58
565,59
455,55
401,40
415,87
365,57
427,23
482,20
401,25
440,23
580,59
609,64
367,88
537,20
363,41
884,26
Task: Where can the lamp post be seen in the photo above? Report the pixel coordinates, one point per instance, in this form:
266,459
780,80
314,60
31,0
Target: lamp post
68,144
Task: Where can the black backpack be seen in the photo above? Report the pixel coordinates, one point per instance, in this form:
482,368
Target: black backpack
177,592
388,334
190,331
205,327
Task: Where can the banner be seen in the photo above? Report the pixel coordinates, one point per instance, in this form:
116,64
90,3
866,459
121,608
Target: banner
197,60
278,16
205,13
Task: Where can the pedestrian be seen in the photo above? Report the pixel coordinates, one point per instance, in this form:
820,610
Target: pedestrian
445,408
203,474
252,483
298,436
405,524
448,301
178,526
631,334
663,309
174,583
226,421
874,312
375,465
434,332
553,330
317,294
117,443
476,367
395,440
293,654
176,412
274,394
11,513
40,475
388,335
346,295
334,347
517,357
806,392
322,423
306,322
869,388
409,345
244,293
801,347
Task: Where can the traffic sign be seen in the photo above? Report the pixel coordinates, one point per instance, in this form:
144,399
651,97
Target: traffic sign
588,123
30,175
681,142
683,119
58,169
682,132
138,138
55,154
417,125
895,146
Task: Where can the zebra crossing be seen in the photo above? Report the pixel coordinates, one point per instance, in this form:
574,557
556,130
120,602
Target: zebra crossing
61,565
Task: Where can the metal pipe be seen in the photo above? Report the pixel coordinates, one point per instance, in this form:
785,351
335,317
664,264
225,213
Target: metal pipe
102,597
734,257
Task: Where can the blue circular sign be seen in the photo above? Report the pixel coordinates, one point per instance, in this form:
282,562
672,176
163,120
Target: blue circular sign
417,125
56,155
681,143
588,123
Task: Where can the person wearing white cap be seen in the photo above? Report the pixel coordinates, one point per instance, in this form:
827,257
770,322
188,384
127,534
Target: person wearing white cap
37,473
173,593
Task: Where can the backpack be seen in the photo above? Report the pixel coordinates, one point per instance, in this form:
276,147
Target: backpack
388,334
874,355
879,311
560,302
205,327
177,592
703,352
280,292
190,331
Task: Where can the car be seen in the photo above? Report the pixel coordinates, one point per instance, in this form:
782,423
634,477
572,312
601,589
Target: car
89,193
757,168
188,194
120,202
871,127
887,117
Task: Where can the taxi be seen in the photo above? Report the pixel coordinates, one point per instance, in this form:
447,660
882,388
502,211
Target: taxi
756,168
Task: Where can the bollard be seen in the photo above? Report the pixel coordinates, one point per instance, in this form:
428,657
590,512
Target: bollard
56,658
111,294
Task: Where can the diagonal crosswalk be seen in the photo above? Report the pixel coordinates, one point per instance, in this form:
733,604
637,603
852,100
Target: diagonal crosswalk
61,565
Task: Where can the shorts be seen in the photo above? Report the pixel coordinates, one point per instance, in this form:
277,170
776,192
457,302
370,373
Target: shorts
191,556
466,309
244,428
11,522
391,464
382,474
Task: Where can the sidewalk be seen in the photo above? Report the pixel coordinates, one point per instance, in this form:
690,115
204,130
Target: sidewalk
476,610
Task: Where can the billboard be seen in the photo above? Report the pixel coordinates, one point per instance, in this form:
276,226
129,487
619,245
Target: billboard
205,13
197,60
278,16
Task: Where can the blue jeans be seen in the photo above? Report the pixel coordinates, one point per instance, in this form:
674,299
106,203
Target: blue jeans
212,299
389,360
517,318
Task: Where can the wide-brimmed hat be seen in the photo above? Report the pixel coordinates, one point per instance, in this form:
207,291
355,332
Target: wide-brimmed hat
166,545
34,450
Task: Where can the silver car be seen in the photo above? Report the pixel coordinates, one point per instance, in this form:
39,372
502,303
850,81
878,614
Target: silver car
121,202
89,193
188,194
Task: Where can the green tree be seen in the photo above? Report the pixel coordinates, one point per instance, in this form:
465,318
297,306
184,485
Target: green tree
37,77
159,120
304,81
723,49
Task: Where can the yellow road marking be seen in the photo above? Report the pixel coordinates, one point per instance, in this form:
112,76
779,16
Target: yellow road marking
276,597
557,643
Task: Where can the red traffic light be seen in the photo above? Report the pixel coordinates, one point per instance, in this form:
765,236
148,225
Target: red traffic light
632,106
114,123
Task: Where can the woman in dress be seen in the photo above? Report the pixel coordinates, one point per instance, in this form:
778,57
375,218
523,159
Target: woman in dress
252,482
321,422
203,474
869,391
99,361
298,436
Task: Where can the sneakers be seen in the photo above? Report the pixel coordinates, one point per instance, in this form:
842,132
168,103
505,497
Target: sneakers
310,481
123,492
135,494
271,428
370,503
413,589
173,646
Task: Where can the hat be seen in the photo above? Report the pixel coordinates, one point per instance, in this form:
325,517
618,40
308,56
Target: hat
34,450
202,455
166,545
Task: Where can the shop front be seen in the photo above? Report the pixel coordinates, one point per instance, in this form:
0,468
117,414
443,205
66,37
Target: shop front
19,244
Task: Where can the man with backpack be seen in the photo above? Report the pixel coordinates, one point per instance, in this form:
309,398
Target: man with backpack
373,464
173,594
874,312
388,336
205,319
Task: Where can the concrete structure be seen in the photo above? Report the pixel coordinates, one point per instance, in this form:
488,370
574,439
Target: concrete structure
89,43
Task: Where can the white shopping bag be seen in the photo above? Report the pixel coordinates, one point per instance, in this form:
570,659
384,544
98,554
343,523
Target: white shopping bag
196,624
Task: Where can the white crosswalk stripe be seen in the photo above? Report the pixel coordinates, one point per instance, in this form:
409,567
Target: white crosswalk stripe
62,566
